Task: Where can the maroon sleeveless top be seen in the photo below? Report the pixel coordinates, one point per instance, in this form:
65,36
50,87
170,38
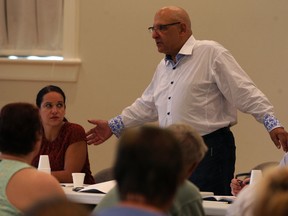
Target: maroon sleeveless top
69,134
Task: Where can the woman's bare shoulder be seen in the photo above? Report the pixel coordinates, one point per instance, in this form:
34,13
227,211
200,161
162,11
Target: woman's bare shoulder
29,186
36,182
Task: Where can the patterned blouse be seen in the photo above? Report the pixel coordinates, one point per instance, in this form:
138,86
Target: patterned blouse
69,133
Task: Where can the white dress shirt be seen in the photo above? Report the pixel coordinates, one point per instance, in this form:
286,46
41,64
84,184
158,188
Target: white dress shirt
203,89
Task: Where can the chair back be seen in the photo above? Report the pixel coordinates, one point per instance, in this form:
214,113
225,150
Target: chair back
104,175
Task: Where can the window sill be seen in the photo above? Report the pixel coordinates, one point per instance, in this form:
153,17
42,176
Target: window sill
40,70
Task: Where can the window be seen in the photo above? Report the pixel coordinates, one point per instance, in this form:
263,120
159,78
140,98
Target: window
34,60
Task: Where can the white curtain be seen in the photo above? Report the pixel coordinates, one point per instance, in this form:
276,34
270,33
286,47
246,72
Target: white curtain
31,27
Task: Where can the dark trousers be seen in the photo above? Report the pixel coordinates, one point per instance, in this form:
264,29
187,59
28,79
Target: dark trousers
215,171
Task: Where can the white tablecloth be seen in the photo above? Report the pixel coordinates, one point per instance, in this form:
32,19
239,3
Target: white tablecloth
211,208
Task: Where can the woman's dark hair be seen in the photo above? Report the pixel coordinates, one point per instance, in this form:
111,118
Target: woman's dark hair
20,128
47,89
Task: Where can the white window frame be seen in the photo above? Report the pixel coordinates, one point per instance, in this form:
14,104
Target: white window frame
65,70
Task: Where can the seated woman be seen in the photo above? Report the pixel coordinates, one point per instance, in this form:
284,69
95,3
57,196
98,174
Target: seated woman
21,185
62,141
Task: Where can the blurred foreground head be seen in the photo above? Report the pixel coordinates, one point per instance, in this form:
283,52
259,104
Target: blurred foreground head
148,165
20,128
57,207
272,193
192,146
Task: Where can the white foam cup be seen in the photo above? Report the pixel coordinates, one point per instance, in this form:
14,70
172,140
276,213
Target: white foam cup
46,170
44,164
256,176
78,179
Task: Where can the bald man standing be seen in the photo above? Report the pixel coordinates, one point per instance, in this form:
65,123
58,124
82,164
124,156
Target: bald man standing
199,83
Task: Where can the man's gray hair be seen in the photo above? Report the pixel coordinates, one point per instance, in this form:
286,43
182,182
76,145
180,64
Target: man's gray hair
192,144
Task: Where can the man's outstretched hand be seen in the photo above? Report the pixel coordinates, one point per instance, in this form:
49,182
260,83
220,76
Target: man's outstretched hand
280,138
100,133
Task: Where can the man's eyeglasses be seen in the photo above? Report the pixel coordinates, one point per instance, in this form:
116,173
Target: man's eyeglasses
161,27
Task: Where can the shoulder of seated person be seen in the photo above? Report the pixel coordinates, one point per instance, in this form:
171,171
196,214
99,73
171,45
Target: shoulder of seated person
33,178
191,185
188,189
75,126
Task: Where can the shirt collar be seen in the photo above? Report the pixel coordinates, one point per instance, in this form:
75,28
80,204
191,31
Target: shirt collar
187,49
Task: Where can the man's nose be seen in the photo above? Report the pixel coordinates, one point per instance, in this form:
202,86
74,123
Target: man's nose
155,34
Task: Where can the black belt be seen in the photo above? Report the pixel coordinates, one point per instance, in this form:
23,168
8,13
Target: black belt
217,132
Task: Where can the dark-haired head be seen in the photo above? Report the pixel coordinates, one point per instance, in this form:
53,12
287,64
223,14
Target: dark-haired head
20,128
148,163
47,89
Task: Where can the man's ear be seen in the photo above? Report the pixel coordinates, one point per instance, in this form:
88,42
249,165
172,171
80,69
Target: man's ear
183,28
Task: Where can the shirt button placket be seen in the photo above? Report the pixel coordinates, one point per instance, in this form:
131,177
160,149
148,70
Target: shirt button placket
169,116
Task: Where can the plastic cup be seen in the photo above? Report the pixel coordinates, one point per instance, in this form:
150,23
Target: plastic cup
256,176
78,179
44,164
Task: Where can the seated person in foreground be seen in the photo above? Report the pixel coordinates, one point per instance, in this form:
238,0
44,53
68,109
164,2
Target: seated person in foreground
245,201
237,185
148,170
188,200
20,139
58,207
64,142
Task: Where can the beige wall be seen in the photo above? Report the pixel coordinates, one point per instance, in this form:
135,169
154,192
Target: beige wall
119,58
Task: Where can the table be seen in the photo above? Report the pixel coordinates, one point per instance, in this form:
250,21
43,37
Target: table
214,208
81,197
211,208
